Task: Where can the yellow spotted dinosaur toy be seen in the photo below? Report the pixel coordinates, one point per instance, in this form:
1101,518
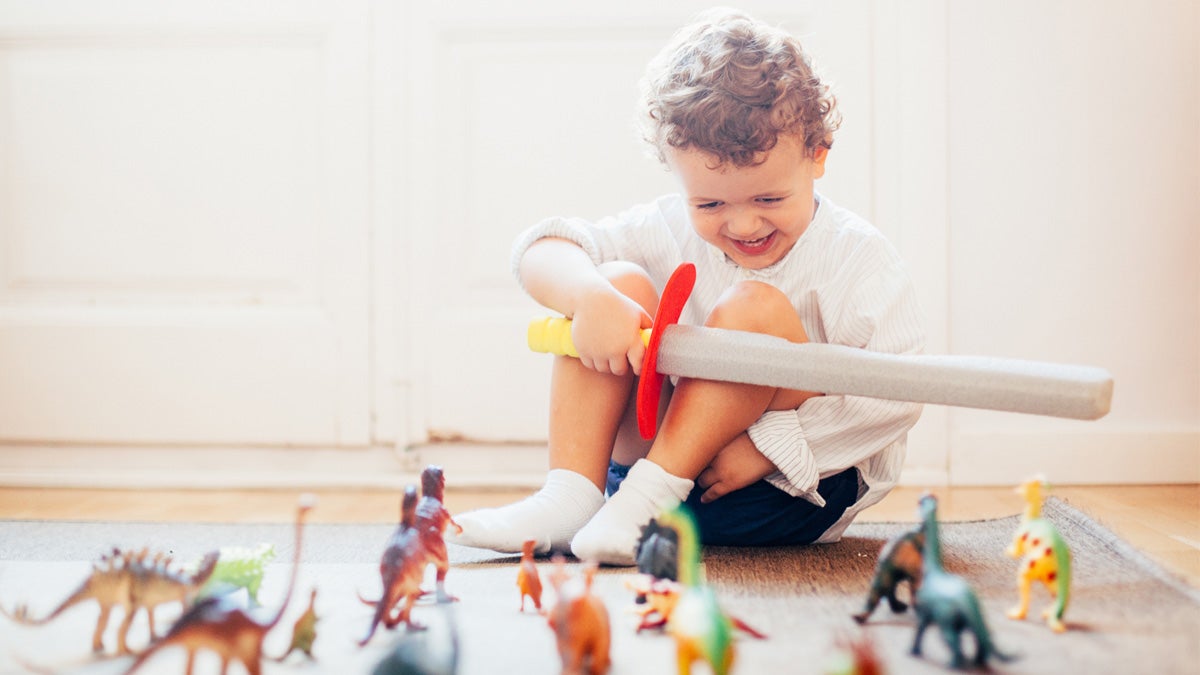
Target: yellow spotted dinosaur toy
1044,557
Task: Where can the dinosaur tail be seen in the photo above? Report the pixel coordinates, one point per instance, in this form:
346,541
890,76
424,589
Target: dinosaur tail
987,647
307,502
21,613
381,609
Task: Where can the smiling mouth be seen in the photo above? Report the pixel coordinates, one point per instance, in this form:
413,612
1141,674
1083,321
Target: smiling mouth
754,246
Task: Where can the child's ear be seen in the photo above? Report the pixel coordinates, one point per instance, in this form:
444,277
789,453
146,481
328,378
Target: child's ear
818,159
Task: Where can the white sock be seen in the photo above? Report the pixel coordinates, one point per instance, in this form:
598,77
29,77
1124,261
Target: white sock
611,536
551,517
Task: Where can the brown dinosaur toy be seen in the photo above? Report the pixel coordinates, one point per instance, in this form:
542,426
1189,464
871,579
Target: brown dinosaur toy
580,622
401,569
899,560
528,579
220,625
432,520
128,580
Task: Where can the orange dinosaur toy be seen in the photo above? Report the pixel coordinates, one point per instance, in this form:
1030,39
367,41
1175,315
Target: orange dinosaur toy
528,580
580,621
401,569
657,598
220,625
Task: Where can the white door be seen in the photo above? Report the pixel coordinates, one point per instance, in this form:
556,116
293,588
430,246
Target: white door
184,223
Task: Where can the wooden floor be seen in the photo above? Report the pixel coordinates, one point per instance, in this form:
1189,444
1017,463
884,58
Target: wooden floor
1163,521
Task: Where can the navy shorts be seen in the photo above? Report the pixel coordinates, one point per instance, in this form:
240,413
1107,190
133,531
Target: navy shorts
763,515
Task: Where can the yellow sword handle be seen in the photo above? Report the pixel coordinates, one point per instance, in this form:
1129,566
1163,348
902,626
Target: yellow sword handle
552,335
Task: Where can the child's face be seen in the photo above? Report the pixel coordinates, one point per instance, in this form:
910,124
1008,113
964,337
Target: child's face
753,214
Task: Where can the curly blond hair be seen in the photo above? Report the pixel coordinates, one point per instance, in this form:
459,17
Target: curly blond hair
730,86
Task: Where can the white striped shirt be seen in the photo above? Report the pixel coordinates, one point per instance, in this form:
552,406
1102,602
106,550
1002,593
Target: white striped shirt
849,286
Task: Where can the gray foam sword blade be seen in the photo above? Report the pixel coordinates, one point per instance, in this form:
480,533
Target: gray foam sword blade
1013,385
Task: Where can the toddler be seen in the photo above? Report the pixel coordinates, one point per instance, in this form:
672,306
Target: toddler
733,108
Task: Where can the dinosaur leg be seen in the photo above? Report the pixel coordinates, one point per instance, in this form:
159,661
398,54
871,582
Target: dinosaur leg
896,604
191,661
685,654
869,606
443,566
953,638
101,624
922,624
123,630
150,619
726,661
1054,613
1022,609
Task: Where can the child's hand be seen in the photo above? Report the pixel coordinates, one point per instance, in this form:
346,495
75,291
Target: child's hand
606,329
736,466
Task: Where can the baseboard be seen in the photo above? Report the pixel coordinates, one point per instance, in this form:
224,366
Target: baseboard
107,467
1088,458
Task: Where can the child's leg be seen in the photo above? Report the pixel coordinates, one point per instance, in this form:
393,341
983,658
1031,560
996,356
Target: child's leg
703,417
586,410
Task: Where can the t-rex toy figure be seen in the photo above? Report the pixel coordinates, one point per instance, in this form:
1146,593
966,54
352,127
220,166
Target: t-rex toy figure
948,600
899,560
432,519
528,580
580,622
1046,558
128,580
401,570
219,624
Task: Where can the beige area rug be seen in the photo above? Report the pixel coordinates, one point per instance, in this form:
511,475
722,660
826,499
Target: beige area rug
1126,614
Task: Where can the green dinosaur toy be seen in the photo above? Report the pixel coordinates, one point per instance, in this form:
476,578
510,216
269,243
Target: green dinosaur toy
948,600
700,628
1046,558
239,567
899,560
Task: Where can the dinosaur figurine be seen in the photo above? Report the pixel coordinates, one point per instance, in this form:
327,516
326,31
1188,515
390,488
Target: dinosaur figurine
655,600
432,519
702,631
401,570
219,624
528,580
580,622
948,600
434,651
304,631
1046,557
899,560
132,582
657,551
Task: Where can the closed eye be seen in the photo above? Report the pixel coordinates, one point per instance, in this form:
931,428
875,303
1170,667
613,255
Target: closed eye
708,206
770,200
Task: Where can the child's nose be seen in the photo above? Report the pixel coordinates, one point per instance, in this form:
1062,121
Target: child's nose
743,221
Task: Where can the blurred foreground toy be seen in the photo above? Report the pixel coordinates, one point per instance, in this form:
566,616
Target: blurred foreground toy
657,551
947,600
1046,557
133,582
528,580
220,625
854,655
304,631
432,520
702,631
433,651
580,622
401,570
655,601
899,561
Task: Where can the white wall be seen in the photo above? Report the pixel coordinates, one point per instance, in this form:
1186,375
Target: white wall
1037,163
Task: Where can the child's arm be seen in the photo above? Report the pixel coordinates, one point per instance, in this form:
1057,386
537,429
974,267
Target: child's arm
606,325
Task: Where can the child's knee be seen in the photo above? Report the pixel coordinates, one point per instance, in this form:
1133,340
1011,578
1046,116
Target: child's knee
632,281
753,306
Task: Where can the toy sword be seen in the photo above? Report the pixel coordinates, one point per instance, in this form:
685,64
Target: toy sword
1013,385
